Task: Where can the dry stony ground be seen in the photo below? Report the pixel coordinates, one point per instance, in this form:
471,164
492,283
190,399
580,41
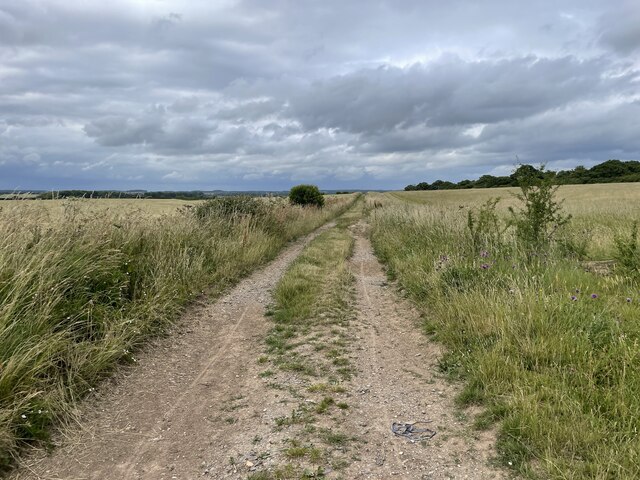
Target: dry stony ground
206,402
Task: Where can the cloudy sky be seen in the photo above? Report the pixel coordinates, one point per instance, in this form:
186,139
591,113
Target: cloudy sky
263,94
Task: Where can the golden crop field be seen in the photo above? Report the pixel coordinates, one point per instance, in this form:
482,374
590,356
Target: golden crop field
579,199
601,211
119,205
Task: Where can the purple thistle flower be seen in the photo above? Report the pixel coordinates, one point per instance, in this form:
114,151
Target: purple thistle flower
574,298
593,295
484,254
484,266
444,258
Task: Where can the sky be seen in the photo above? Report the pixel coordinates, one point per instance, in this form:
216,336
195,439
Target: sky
265,94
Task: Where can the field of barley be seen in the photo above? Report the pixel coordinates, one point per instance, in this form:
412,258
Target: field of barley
545,336
84,283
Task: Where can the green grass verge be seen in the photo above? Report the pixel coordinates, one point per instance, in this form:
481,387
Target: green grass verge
312,306
550,349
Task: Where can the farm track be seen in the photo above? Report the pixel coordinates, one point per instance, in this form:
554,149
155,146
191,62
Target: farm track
165,418
398,382
197,407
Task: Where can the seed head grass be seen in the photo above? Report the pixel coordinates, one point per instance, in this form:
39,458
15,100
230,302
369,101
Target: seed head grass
83,284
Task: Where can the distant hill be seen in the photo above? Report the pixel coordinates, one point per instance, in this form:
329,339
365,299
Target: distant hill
611,171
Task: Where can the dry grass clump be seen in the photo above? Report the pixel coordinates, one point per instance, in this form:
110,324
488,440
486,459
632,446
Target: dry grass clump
81,289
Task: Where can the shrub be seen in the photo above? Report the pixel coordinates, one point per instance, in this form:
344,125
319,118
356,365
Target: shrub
306,195
231,207
540,217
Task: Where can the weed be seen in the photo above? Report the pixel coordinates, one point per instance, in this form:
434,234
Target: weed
296,450
539,218
484,225
627,253
263,475
324,404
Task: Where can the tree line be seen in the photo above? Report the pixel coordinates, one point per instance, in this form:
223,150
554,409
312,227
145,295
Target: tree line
607,172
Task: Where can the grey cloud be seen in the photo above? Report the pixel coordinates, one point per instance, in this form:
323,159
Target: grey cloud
9,28
580,132
415,139
204,94
155,130
251,110
451,91
118,131
278,132
620,29
185,104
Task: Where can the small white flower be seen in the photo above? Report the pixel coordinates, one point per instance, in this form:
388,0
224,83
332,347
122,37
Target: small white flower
23,416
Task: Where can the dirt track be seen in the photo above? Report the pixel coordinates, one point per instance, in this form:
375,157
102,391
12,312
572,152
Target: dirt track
398,382
196,406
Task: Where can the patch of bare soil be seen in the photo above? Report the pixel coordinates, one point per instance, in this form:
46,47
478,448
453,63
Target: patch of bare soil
398,381
192,400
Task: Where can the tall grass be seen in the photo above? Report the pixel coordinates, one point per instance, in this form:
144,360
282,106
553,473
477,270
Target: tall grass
599,211
551,350
82,289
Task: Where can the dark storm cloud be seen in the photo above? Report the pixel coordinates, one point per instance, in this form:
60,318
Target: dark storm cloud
248,94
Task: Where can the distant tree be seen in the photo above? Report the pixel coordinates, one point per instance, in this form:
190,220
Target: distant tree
487,181
611,169
442,185
306,195
526,171
410,188
466,184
